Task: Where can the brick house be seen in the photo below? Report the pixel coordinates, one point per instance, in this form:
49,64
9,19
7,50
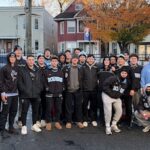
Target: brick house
71,30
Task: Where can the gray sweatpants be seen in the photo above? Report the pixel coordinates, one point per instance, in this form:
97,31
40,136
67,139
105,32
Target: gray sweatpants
108,103
141,120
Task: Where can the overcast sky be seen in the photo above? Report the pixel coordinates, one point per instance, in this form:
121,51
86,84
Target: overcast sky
52,9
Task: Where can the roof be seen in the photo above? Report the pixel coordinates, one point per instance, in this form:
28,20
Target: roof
65,15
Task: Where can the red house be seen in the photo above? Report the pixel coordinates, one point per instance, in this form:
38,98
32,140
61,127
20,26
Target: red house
72,31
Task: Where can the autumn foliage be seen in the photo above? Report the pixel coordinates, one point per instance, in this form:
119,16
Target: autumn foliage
124,21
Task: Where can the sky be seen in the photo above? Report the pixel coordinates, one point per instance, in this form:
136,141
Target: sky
52,9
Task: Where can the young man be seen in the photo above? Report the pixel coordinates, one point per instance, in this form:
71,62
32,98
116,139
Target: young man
143,110
77,51
9,94
30,85
72,79
54,89
47,56
68,56
130,91
113,88
89,87
136,68
82,58
42,109
20,62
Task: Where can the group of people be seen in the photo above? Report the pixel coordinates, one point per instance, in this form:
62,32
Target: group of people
73,88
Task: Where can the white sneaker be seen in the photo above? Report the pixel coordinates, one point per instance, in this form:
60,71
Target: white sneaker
43,123
146,129
85,124
94,123
115,128
108,131
24,130
36,128
38,123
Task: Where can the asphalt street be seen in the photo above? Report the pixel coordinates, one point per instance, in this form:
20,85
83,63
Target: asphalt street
79,139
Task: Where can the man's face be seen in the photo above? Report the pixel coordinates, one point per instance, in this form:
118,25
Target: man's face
133,60
41,60
90,60
124,74
68,55
54,63
47,54
75,61
12,59
126,56
30,61
82,59
112,60
62,59
120,61
18,53
77,52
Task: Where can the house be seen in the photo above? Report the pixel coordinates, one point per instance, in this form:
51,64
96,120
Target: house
72,32
12,29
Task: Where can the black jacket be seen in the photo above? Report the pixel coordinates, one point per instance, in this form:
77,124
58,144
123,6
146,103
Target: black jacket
89,77
137,73
66,72
8,79
30,82
114,87
130,78
144,103
54,82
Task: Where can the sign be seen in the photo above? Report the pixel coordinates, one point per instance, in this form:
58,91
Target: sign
87,35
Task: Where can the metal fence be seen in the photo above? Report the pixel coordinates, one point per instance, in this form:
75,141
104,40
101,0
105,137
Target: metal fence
143,58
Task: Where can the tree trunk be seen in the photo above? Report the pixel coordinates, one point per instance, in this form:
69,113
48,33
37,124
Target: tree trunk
123,47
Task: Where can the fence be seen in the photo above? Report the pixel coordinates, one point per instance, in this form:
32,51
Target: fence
143,58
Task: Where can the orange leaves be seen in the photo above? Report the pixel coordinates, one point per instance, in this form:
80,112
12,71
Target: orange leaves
115,15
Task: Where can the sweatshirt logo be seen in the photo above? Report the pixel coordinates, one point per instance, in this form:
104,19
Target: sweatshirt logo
55,79
13,75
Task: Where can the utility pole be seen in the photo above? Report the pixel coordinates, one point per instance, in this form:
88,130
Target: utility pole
28,37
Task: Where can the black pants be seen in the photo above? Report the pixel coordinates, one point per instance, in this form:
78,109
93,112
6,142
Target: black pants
127,99
42,107
73,102
9,108
90,96
35,102
53,102
100,107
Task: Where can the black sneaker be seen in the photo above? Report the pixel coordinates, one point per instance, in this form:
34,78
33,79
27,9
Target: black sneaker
13,131
4,135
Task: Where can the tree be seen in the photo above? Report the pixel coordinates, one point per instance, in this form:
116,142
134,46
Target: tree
124,21
61,4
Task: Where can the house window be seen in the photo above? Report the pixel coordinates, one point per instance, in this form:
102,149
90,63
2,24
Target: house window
61,27
81,26
71,27
78,7
36,45
36,23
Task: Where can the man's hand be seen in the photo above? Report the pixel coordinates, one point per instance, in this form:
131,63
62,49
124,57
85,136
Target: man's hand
4,98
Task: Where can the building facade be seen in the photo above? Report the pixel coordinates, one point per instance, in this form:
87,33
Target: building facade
72,31
13,29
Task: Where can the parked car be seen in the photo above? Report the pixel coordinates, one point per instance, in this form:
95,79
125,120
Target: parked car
3,60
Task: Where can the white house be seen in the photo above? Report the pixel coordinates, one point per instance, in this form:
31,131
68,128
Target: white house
12,29
142,49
